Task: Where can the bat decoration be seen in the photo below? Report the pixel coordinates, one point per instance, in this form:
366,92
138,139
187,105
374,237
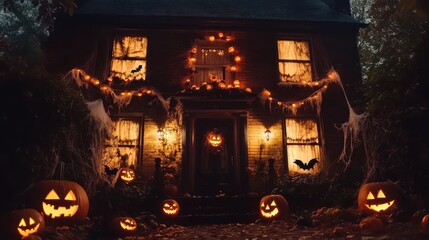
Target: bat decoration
109,171
137,69
306,166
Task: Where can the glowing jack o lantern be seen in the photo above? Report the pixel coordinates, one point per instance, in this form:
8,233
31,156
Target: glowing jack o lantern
214,138
378,197
273,207
60,200
23,223
123,225
170,207
127,174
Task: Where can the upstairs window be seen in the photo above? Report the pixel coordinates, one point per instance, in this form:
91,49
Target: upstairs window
129,58
294,61
212,62
302,143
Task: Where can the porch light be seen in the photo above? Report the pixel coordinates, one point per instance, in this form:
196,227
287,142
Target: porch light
160,134
267,134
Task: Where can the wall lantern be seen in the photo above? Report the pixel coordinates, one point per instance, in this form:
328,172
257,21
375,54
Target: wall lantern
267,134
160,134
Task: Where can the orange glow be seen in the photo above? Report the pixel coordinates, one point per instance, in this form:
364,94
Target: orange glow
194,50
220,34
248,90
233,68
211,38
86,77
237,59
231,49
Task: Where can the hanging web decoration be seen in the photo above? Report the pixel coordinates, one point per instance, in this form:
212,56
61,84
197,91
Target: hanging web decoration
351,129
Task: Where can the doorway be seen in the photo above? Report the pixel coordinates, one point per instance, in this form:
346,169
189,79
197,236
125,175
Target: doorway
215,155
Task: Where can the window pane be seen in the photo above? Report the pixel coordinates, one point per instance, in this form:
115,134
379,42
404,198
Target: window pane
302,131
126,132
115,157
129,69
304,153
208,75
293,50
295,72
129,47
212,56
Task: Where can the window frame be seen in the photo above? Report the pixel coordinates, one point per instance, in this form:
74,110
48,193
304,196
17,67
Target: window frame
310,61
139,145
319,143
110,51
228,76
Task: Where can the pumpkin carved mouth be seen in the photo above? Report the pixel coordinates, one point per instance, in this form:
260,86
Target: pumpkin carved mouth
58,211
269,210
380,207
128,225
170,211
28,231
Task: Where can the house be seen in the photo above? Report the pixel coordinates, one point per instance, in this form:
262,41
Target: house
215,88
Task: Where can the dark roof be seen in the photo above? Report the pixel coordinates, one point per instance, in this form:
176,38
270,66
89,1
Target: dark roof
283,10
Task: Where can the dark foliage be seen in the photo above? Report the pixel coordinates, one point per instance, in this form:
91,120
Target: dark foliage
44,125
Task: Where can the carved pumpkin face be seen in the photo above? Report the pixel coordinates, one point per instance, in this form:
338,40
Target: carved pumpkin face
24,222
273,207
214,138
378,197
170,207
127,174
60,200
123,225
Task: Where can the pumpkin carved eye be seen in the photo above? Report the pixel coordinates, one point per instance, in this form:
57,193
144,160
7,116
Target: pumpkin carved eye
381,194
22,223
70,196
273,204
52,195
31,221
370,196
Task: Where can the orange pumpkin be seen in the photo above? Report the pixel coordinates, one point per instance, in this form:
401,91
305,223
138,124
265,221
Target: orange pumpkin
214,138
123,226
371,225
23,223
379,198
274,207
127,174
425,223
170,207
59,201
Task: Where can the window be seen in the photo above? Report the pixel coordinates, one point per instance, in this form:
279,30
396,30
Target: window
294,61
212,62
123,147
302,142
129,58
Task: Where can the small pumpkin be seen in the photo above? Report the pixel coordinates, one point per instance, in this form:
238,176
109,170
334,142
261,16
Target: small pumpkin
379,198
123,226
372,225
170,207
127,174
273,207
425,223
214,138
23,223
60,201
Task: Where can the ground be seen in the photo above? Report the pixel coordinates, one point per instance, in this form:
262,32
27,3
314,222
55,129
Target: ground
324,223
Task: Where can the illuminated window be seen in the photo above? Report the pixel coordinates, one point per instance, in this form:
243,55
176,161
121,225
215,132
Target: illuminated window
123,147
302,142
129,58
212,62
294,61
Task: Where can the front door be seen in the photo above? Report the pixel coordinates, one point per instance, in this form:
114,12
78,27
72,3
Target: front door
214,155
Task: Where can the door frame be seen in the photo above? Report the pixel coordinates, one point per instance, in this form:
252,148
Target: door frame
240,164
